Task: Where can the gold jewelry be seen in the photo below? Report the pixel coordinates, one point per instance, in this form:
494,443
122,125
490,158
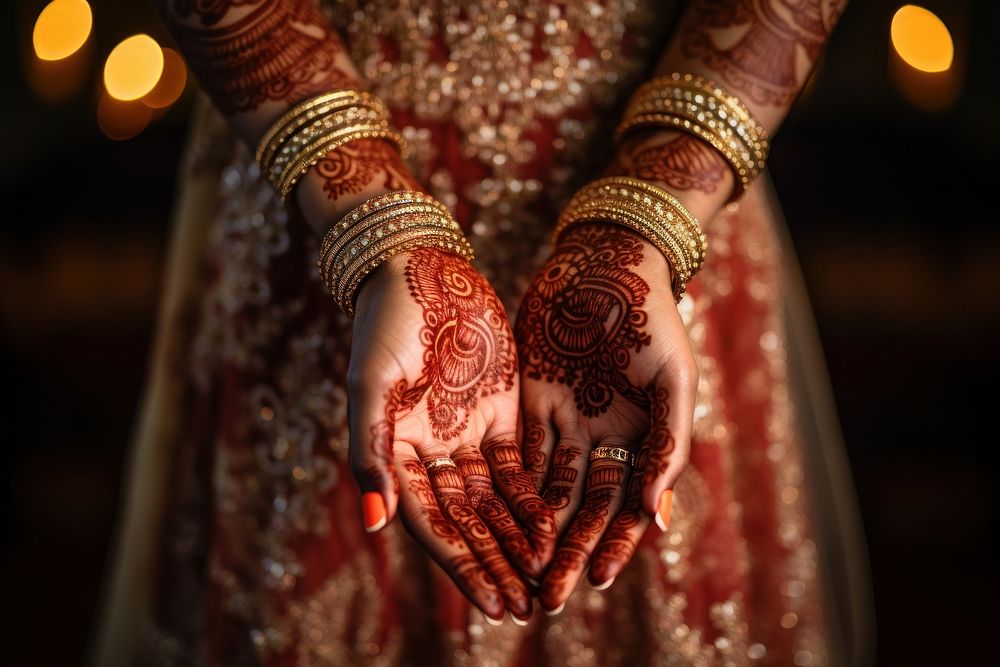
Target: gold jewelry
308,131
701,107
307,111
378,229
647,209
613,453
439,462
319,147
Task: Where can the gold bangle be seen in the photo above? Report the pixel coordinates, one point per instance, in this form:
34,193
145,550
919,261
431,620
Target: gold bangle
650,211
701,107
301,114
319,148
378,229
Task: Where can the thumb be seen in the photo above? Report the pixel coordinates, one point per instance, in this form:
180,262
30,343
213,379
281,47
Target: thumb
668,446
371,416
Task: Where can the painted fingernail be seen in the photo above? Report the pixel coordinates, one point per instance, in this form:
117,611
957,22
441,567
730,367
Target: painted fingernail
556,611
518,621
605,586
373,511
663,513
494,621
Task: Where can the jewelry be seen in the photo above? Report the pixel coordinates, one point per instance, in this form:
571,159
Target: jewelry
613,453
304,134
647,209
701,107
440,462
378,229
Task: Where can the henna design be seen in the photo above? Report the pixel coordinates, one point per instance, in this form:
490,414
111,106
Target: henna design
512,480
468,350
660,440
604,485
420,487
351,168
582,317
622,538
764,61
562,477
281,50
683,162
534,455
450,488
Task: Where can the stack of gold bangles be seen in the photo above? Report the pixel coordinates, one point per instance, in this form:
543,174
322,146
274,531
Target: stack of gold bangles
376,230
647,209
310,130
695,105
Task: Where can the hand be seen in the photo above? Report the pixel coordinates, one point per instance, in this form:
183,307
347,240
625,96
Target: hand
433,406
605,361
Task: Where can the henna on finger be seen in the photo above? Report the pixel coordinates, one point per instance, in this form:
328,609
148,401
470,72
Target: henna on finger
622,538
535,455
504,460
423,518
603,498
562,485
449,486
494,512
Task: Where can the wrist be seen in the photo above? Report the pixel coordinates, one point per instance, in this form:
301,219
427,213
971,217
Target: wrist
349,176
684,165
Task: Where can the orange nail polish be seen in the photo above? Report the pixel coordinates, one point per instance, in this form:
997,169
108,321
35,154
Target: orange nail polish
373,510
663,513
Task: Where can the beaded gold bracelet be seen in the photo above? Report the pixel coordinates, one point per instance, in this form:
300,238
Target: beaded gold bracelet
304,134
378,229
703,108
648,210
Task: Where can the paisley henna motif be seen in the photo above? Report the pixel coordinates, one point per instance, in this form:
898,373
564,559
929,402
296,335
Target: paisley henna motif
468,350
582,319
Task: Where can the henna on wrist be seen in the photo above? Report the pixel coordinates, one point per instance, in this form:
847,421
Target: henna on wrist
673,160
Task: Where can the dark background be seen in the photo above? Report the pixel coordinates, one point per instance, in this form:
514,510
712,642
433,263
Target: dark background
892,208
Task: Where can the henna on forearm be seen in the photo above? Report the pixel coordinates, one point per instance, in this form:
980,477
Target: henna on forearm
361,164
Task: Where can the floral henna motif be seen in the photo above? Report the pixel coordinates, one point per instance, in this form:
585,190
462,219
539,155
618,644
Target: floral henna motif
468,350
582,319
514,483
351,168
280,50
763,61
682,162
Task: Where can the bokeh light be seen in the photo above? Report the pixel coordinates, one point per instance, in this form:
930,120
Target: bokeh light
120,120
133,67
61,29
921,39
171,83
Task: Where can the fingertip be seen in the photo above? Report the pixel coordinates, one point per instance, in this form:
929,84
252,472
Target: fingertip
373,511
556,611
664,509
604,586
523,622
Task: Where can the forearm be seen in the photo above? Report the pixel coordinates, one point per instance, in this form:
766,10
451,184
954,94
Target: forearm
762,51
258,58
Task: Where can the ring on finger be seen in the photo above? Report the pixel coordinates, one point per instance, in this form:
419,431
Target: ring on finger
613,453
439,462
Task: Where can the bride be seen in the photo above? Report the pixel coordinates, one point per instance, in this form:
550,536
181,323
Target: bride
482,344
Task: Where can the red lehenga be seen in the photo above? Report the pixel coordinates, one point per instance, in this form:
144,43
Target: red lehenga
241,542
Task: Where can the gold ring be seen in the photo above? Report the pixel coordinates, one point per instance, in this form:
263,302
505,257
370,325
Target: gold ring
440,462
615,453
